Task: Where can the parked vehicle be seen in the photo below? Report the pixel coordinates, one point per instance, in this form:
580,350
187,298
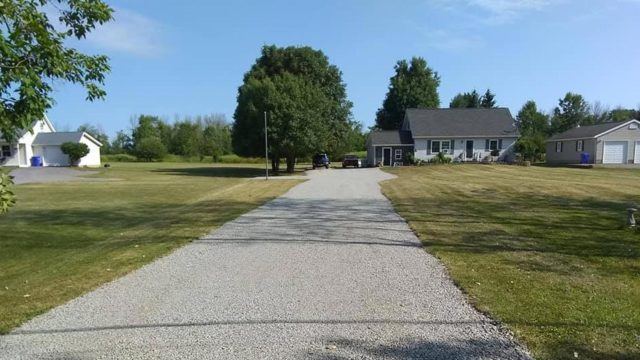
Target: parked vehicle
351,160
320,160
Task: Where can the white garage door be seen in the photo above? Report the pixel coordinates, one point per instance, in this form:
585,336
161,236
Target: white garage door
636,159
615,152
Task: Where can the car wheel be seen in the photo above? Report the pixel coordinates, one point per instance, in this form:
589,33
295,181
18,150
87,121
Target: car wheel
326,166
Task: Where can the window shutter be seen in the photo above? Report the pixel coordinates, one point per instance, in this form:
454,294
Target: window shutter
500,144
577,147
428,147
452,142
486,145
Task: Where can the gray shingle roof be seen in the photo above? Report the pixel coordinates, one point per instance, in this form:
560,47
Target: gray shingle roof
390,137
496,122
584,132
57,138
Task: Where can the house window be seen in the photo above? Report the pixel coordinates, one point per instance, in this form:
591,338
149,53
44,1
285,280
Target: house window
443,146
558,146
579,145
435,147
493,145
6,150
398,154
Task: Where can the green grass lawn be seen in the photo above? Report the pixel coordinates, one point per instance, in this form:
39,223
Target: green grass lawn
542,250
64,239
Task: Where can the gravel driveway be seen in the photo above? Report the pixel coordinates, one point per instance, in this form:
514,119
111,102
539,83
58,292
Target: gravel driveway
327,271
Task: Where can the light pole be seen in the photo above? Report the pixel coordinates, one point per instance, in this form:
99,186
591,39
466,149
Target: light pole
266,149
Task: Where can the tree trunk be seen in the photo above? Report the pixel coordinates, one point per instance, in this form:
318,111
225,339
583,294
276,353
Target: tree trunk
275,163
291,163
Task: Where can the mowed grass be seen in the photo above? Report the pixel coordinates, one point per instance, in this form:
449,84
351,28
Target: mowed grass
543,250
64,239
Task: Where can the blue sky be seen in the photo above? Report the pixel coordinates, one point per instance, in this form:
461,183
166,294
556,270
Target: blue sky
188,57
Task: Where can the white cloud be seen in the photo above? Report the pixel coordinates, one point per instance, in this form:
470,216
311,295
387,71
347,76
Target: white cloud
130,33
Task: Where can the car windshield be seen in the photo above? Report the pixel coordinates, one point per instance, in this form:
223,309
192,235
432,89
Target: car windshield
350,157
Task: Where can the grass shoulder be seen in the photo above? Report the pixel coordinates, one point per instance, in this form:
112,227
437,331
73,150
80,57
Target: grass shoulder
64,239
543,250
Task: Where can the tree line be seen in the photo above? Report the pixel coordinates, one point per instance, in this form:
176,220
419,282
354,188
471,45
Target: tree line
152,138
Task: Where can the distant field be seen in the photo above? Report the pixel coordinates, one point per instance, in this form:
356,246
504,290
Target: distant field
543,250
64,239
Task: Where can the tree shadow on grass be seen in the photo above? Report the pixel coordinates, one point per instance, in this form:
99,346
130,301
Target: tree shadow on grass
210,171
226,171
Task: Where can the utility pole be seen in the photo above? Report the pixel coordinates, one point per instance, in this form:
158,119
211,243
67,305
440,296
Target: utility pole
266,149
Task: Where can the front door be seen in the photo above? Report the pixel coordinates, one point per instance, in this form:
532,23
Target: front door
469,149
386,156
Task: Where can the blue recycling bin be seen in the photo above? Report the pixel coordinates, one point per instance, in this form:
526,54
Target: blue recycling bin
36,161
584,158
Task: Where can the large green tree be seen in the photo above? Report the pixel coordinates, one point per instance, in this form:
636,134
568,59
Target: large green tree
531,121
147,126
534,127
306,101
414,85
34,54
572,110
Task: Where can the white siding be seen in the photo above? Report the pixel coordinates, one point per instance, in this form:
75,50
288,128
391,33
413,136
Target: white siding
27,140
93,158
459,148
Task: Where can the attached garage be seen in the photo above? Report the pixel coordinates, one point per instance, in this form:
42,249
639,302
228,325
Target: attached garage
615,152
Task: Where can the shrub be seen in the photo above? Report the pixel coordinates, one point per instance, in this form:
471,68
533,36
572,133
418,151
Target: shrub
531,147
150,149
75,151
495,152
409,158
440,159
7,198
118,158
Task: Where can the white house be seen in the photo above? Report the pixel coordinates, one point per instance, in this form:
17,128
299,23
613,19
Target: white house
465,135
43,140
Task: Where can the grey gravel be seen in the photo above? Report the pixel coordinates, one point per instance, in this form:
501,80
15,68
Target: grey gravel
50,174
327,271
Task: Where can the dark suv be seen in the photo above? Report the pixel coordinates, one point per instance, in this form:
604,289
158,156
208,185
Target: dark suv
320,160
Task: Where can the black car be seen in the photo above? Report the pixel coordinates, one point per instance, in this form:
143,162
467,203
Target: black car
351,160
320,160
